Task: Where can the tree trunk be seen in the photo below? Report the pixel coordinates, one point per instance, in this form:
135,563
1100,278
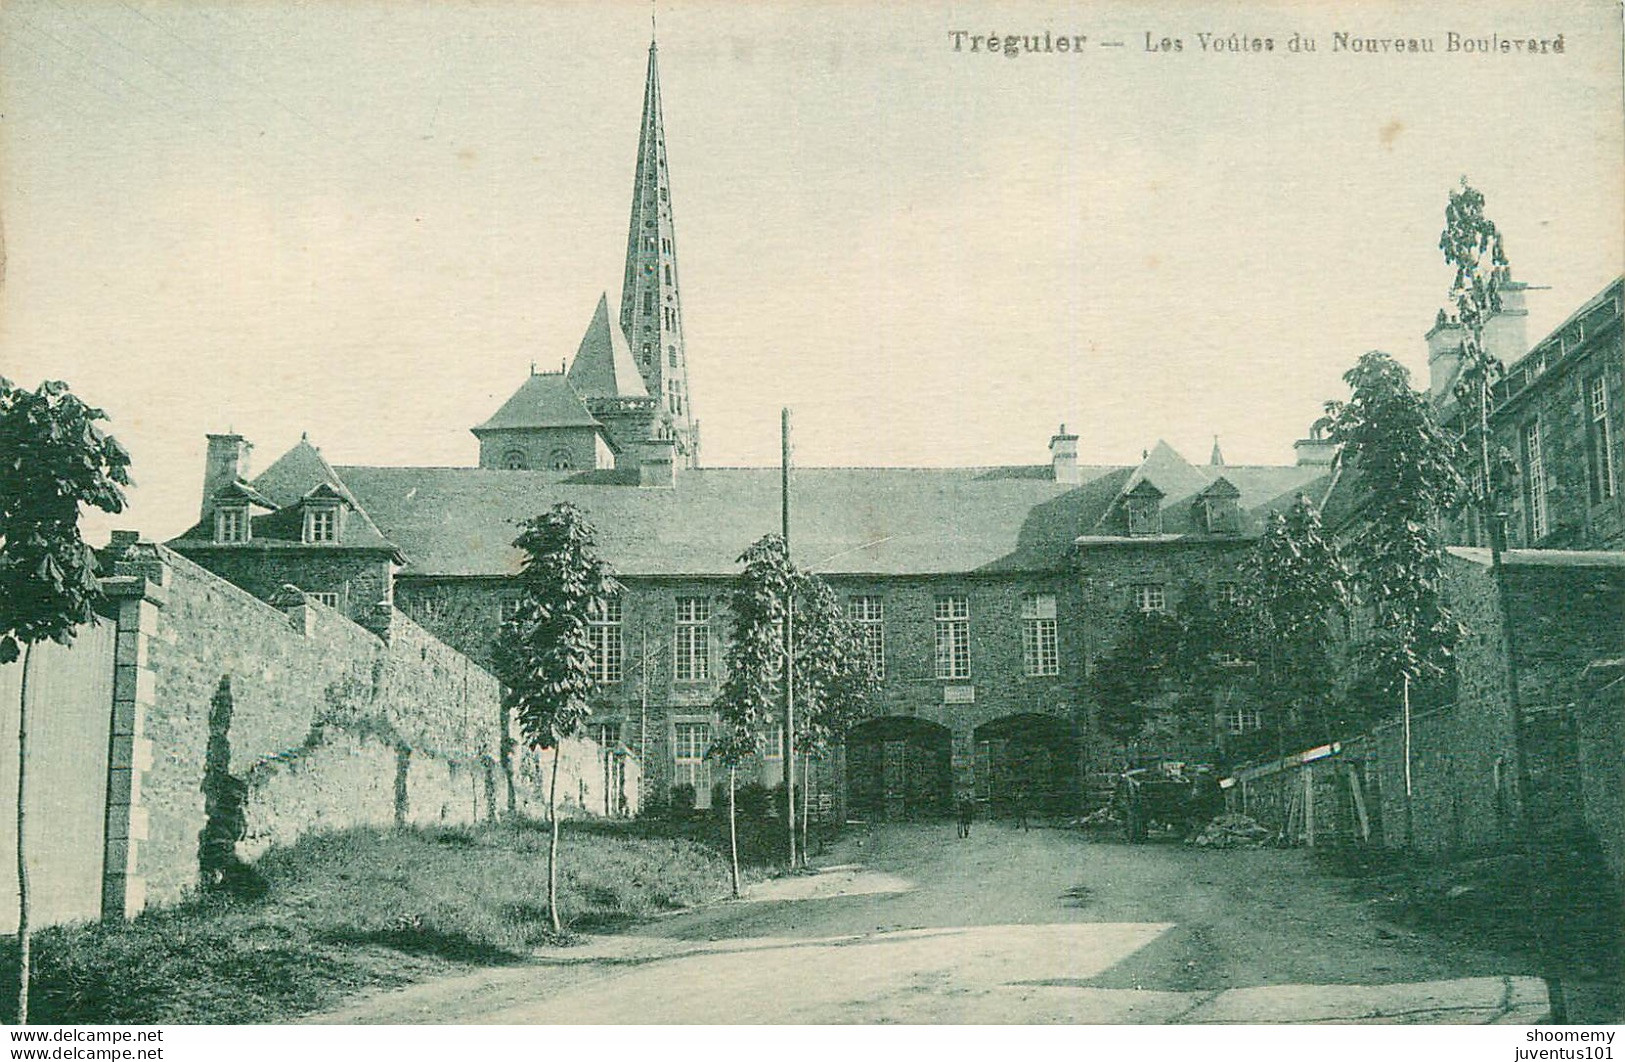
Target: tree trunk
733,827
806,795
1410,815
553,843
23,956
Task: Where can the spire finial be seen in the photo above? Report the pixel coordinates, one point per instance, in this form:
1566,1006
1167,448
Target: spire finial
653,5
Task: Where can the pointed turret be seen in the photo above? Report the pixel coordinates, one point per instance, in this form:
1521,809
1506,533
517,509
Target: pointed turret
651,306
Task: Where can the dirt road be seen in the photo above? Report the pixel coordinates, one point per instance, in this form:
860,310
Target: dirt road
907,923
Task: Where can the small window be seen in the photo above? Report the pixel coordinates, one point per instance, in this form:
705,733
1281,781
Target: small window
231,525
321,525
1242,719
668,273
1149,597
648,243
510,609
648,302
1144,516
665,245
330,598
515,460
671,356
560,461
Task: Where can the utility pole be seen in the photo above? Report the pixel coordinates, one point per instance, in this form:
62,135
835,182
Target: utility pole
789,749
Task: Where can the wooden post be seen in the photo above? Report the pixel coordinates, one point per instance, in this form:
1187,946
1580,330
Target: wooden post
1308,805
789,639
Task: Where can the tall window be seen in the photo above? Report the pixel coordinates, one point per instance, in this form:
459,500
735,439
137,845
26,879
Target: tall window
674,396
869,614
773,747
953,637
1149,597
321,525
1039,655
693,639
689,742
1605,476
1534,474
604,632
231,525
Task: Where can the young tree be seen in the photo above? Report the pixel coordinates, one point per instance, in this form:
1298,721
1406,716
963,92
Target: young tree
544,652
1472,244
731,748
1294,588
54,459
1408,467
834,683
751,690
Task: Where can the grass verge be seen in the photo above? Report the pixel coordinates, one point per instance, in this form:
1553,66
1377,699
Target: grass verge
364,909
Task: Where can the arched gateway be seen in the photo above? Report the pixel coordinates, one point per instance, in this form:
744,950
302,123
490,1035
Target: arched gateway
1027,762
897,768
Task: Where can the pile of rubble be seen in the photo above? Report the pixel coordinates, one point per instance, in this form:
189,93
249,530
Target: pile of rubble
1234,831
1100,817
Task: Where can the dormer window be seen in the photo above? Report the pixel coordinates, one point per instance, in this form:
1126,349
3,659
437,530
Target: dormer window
231,524
321,524
515,460
1142,509
1144,516
1219,515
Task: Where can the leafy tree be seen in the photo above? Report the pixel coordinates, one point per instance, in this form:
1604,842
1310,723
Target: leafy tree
1160,679
752,689
1294,588
830,669
1410,480
834,684
54,459
1137,681
544,654
1472,244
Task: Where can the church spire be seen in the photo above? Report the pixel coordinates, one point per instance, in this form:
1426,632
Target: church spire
651,306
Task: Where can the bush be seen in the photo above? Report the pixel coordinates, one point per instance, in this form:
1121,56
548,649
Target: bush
682,800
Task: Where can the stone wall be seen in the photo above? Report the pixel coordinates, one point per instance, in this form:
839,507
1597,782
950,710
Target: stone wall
263,724
361,579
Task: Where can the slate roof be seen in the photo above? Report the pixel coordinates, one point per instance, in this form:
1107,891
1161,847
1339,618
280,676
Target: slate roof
300,473
1258,489
546,400
883,521
603,365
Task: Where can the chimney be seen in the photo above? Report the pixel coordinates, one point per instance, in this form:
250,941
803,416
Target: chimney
1063,456
658,467
226,463
1317,451
1506,333
1444,357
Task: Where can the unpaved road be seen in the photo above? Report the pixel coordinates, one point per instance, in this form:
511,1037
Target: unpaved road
914,925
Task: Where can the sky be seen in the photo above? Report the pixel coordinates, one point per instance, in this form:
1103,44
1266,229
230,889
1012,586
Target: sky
365,221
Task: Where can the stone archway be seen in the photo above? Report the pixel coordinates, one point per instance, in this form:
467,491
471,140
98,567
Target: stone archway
1027,760
897,768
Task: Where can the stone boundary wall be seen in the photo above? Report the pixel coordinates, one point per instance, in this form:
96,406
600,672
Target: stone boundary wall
238,726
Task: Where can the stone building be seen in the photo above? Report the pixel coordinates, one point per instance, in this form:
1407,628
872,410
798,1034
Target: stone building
1558,413
984,593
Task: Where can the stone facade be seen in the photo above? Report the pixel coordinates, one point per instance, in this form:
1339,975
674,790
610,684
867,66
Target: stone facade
573,448
1559,415
361,580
